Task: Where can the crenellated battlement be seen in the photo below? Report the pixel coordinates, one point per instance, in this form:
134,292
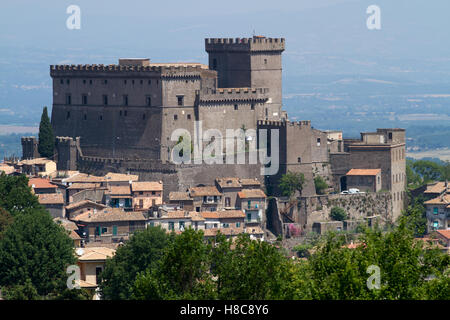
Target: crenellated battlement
284,123
29,139
257,43
208,95
164,70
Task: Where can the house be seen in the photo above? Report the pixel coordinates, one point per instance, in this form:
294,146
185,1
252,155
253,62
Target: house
92,262
109,225
367,180
178,221
41,185
230,233
54,203
444,237
253,203
42,167
181,199
72,230
7,169
77,208
223,219
119,197
206,198
438,212
255,232
250,183
229,187
146,194
77,187
120,179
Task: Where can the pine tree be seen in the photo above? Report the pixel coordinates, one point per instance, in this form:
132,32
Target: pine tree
46,137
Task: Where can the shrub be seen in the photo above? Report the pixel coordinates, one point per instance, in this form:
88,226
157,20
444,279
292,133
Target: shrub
338,214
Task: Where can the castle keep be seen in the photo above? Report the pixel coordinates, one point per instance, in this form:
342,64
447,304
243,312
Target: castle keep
120,118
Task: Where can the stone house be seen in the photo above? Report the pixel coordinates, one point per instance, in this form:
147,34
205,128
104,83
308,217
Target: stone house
253,203
182,200
206,198
366,180
41,185
109,225
77,208
444,237
178,221
54,203
119,197
92,262
438,212
146,194
120,179
42,167
229,187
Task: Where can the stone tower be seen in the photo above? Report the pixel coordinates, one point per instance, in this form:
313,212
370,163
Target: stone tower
29,148
249,62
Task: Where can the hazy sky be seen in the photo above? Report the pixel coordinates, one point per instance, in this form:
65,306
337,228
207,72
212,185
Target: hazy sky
175,29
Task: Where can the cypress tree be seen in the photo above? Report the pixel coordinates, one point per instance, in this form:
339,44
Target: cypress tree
46,137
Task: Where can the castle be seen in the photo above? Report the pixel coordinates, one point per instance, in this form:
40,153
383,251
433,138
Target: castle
119,118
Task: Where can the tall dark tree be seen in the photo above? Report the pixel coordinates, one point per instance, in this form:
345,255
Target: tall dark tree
46,137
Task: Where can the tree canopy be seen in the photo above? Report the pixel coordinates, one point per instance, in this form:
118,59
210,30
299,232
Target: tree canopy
291,182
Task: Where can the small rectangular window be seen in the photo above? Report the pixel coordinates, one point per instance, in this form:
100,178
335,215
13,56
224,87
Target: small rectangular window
84,81
105,81
105,99
180,100
125,113
148,101
68,81
125,100
85,116
68,115
252,107
84,99
68,99
61,81
142,81
175,117
299,160
90,81
189,117
235,107
149,82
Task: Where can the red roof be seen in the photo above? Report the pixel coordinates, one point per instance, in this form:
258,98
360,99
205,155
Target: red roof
444,233
363,172
40,183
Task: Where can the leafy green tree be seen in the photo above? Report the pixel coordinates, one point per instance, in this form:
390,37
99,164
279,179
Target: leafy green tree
428,170
413,179
183,272
337,272
35,248
338,214
252,270
46,137
291,182
320,185
15,194
415,217
24,291
143,250
5,220
445,171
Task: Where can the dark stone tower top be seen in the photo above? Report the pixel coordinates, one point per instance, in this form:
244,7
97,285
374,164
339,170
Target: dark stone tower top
248,62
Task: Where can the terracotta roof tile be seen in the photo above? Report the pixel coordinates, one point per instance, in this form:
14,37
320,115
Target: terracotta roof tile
147,186
83,177
438,187
84,186
228,182
51,198
444,233
204,191
363,172
75,205
251,193
95,253
109,215
119,190
443,199
249,182
40,183
225,214
120,177
178,196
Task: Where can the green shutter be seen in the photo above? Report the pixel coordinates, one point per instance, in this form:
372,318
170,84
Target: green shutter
114,230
